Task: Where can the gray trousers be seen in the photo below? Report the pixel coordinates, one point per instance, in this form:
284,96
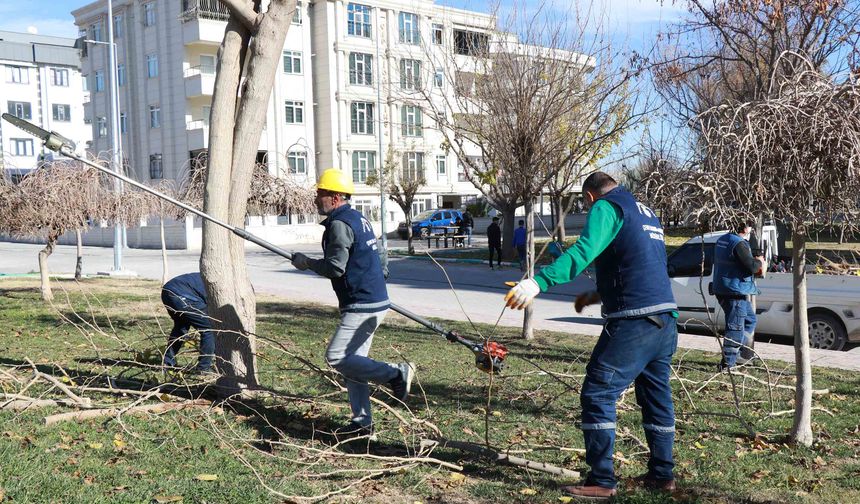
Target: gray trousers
347,353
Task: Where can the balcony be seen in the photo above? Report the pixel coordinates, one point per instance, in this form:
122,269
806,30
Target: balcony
203,21
198,134
199,81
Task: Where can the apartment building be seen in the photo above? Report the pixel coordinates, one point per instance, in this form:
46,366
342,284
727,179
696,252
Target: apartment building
344,96
375,62
41,82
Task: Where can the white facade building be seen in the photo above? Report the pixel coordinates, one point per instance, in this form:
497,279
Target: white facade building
338,99
40,82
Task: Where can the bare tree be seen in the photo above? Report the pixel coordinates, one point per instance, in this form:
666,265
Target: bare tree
402,184
796,154
47,203
517,111
730,51
247,61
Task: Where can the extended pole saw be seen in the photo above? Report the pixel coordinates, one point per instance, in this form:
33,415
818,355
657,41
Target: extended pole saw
489,356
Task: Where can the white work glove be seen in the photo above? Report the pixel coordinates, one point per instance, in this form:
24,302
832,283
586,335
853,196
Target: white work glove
522,294
301,261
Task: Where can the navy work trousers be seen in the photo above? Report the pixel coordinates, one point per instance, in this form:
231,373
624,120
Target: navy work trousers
629,351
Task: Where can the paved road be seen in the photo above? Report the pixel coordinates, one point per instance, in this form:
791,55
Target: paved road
417,285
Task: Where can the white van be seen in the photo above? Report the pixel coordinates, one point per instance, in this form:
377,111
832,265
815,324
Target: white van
833,300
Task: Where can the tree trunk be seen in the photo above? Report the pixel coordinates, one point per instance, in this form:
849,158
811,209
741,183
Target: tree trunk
79,249
508,232
44,280
164,272
561,215
528,322
410,247
801,432
236,126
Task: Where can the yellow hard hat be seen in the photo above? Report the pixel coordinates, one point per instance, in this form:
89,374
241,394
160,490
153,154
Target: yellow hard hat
335,180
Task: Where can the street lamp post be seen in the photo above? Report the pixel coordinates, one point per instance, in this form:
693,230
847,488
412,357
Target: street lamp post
381,156
116,146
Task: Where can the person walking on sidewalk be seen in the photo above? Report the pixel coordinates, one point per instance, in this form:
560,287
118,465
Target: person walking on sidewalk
520,242
734,283
624,239
352,262
468,223
494,240
184,297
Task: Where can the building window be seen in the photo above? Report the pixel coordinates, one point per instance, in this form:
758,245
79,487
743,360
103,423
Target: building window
156,169
461,173
117,26
60,77
297,15
413,165
361,69
294,112
358,20
439,78
100,81
154,116
207,64
471,43
293,62
17,75
96,31
22,146
298,161
123,122
421,205
152,65
149,15
441,166
85,82
409,33
410,121
410,74
438,33
62,113
206,111
365,207
363,163
361,114
120,75
101,126
21,110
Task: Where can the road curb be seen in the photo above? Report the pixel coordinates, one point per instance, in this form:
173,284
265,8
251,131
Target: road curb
424,257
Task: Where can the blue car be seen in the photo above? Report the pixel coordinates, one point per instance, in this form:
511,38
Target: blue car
431,221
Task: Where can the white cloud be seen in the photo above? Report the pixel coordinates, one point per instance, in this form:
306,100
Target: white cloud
56,27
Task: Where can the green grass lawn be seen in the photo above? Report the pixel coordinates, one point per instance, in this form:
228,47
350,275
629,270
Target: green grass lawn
109,328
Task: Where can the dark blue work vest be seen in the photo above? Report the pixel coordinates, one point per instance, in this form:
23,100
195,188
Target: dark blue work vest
631,272
731,278
362,287
188,287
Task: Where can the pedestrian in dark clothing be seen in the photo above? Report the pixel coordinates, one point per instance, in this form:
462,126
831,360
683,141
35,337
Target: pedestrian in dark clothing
468,224
494,238
734,283
624,240
520,243
184,297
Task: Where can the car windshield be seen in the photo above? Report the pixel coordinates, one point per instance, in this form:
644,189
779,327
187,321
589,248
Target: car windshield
423,215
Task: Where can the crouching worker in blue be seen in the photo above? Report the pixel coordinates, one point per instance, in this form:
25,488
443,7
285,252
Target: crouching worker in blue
185,300
734,283
352,262
624,239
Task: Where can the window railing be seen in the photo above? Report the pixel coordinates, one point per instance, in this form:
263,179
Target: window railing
203,9
197,124
199,70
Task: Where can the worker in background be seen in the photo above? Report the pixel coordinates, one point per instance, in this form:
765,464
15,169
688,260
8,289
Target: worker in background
184,297
352,261
734,282
624,240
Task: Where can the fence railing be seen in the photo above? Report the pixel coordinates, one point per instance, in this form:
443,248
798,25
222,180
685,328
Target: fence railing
203,9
